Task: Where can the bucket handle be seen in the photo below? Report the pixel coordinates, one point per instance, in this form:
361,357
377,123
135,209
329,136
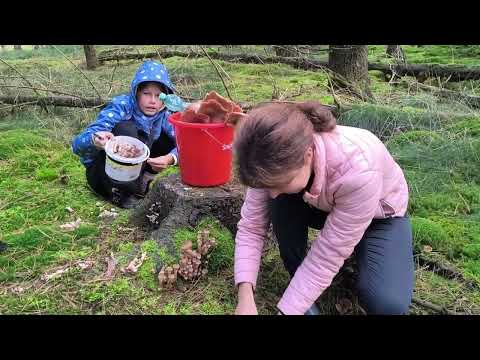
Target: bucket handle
224,146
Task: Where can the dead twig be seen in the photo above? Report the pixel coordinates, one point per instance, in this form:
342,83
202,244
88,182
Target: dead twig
24,78
437,308
81,72
444,270
39,89
111,79
218,72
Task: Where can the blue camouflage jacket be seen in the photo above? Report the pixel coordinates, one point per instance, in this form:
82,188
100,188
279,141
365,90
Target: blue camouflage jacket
125,107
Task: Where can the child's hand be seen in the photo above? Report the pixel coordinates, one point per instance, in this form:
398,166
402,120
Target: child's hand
100,139
161,162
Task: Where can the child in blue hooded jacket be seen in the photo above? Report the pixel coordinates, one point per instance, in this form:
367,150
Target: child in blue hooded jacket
139,114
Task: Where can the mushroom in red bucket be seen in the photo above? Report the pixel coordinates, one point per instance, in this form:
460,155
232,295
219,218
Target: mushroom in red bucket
213,109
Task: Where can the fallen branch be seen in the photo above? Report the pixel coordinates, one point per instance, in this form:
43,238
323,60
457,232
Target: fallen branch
437,308
470,100
444,270
218,71
453,72
40,89
66,101
422,71
81,72
24,78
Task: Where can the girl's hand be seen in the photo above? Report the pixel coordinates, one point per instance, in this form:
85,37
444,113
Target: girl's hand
246,302
100,139
161,162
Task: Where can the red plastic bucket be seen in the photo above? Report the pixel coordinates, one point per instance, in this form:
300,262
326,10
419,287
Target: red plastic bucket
205,152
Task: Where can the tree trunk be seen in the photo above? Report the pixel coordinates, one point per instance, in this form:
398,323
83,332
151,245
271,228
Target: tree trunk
90,56
396,52
351,62
285,50
17,47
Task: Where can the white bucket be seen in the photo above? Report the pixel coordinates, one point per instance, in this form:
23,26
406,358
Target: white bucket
121,168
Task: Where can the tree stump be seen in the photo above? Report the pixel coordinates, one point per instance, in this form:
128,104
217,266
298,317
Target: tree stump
171,205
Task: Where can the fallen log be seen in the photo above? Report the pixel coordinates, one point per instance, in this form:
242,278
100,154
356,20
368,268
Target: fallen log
453,73
448,271
298,62
65,101
439,309
469,100
70,101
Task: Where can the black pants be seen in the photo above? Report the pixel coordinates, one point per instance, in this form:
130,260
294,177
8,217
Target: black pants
99,180
384,255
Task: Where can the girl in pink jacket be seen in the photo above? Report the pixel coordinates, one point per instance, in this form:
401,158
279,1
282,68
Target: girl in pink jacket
303,170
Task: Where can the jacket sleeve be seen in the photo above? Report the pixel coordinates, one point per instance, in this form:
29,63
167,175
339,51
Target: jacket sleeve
168,128
251,231
113,113
355,203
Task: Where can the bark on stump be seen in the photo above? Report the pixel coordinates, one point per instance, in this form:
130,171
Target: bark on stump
171,205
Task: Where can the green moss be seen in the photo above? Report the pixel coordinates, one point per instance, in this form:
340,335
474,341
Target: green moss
46,174
222,254
164,173
109,292
166,258
169,309
468,126
86,230
427,232
211,307
146,274
415,136
126,248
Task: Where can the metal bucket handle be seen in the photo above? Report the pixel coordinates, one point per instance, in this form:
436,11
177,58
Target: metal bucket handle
224,146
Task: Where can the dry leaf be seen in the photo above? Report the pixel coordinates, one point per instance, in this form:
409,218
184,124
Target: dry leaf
82,265
344,306
71,225
111,264
17,290
57,273
427,249
134,265
108,215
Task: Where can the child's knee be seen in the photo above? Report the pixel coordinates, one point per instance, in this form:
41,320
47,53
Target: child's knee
384,301
125,128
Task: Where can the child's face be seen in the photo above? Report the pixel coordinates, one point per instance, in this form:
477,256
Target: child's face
298,178
148,99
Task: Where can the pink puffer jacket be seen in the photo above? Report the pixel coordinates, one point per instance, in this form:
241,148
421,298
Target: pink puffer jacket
356,180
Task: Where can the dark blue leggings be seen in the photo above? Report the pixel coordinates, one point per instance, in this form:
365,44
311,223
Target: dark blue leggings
384,255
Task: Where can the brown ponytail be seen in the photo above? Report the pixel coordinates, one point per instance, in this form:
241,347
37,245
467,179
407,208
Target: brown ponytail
319,115
273,138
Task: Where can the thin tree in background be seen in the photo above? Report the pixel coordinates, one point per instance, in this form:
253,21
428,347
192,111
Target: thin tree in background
90,56
285,50
397,53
